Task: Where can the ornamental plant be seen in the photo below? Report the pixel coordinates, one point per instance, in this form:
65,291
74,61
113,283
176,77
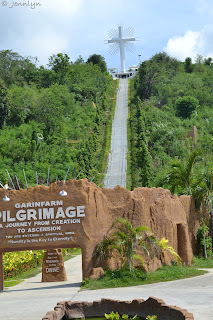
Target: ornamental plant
125,240
18,262
116,316
112,316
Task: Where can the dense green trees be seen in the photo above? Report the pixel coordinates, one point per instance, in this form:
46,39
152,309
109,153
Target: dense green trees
144,159
67,103
182,174
98,60
3,104
16,69
152,72
185,106
188,65
60,65
174,97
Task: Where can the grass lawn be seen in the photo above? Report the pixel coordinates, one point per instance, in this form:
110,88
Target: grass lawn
19,278
123,278
200,262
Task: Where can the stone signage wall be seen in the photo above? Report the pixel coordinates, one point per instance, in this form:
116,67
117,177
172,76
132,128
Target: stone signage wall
39,218
53,266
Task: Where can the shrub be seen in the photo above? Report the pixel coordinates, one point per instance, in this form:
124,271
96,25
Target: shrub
185,106
16,263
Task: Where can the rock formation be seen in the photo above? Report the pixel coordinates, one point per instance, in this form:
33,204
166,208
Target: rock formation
140,307
84,217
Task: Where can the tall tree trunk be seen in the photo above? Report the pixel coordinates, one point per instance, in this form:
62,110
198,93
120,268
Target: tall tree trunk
204,243
211,213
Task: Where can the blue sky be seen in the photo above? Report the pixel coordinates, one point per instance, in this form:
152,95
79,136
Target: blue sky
41,28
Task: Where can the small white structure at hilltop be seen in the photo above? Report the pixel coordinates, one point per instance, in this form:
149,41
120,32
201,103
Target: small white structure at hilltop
122,40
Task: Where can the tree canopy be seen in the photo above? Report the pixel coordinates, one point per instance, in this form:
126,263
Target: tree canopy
98,60
67,103
168,99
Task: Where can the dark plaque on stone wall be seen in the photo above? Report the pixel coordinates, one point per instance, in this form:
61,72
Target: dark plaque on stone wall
53,266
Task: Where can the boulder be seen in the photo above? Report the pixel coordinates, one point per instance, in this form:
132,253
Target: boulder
97,273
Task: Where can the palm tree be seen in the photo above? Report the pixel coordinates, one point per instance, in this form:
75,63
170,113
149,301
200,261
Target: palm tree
182,175
104,250
125,239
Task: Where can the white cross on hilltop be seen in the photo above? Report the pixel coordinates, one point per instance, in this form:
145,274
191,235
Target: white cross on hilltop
120,40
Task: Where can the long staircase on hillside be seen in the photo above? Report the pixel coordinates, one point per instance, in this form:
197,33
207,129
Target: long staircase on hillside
117,161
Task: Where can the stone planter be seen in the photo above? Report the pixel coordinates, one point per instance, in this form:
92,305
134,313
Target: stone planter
67,310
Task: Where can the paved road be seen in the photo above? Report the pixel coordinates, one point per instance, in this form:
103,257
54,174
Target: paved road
117,162
32,299
193,294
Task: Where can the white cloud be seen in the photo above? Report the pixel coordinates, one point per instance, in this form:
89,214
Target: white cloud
79,27
46,44
191,44
62,9
40,32
185,46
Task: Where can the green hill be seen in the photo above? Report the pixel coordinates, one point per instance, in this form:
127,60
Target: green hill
68,103
168,98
